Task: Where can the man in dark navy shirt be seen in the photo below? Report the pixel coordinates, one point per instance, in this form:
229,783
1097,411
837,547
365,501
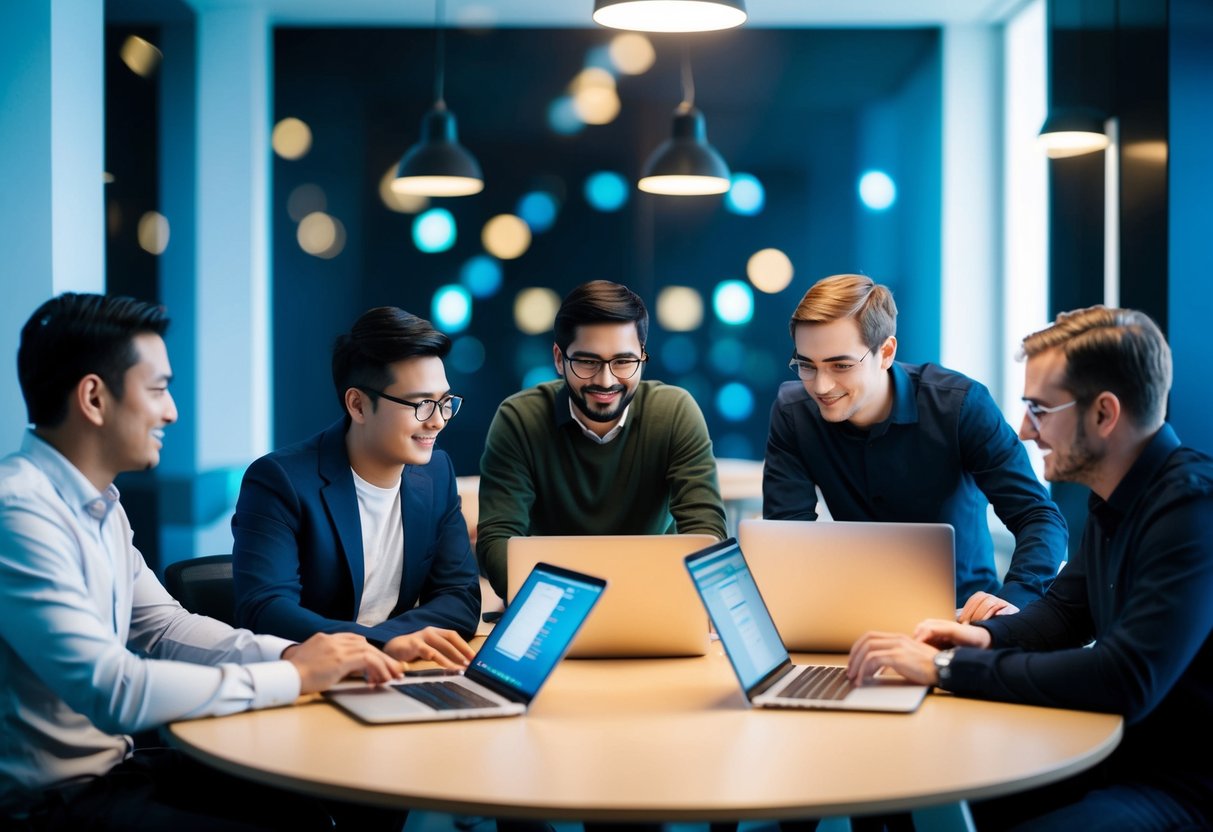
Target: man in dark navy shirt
1125,627
901,442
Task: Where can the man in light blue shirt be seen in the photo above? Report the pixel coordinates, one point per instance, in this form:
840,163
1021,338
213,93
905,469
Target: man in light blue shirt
92,648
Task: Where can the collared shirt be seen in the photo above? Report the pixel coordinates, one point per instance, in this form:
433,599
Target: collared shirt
943,452
1139,587
91,645
589,433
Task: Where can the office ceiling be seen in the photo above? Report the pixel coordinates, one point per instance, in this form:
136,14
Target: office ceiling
576,13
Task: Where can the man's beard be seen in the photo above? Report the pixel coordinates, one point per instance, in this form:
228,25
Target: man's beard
595,412
1078,463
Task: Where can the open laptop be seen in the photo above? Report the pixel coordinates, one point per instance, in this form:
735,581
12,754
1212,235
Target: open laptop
508,670
828,583
760,660
651,610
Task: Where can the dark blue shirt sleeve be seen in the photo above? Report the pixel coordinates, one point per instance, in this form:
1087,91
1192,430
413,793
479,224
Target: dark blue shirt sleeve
996,459
788,492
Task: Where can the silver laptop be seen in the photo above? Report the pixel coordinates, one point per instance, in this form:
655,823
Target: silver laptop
651,610
758,656
508,670
828,583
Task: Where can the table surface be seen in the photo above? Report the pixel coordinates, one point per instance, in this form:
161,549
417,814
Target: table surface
660,740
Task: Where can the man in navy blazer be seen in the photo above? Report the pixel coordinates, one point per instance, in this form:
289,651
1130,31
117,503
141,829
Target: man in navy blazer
359,528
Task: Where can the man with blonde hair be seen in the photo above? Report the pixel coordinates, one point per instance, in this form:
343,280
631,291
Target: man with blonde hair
1125,627
889,441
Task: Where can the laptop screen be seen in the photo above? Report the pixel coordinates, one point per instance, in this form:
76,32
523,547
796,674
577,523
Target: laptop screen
536,629
741,618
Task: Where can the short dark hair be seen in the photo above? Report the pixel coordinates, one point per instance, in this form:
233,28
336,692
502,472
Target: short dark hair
382,336
73,335
1121,351
600,302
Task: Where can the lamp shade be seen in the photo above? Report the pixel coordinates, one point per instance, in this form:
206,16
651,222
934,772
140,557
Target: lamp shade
438,165
685,164
670,15
1073,131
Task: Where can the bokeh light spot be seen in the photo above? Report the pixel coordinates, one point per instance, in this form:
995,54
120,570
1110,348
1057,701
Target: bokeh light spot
679,308
292,138
733,302
745,196
770,270
506,237
606,190
481,275
535,310
434,230
538,210
877,190
735,402
452,308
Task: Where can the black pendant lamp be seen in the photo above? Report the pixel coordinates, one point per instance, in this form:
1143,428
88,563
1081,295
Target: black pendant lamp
670,15
1073,131
438,165
685,164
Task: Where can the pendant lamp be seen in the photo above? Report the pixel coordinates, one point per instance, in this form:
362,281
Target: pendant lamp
670,15
438,165
1073,131
685,164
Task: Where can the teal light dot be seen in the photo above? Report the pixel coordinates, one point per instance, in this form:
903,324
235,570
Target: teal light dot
563,118
538,375
452,308
735,402
745,196
727,356
877,190
434,230
538,210
733,302
481,275
606,190
467,355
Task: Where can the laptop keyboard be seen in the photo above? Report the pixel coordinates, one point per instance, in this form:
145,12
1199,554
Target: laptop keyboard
445,696
819,682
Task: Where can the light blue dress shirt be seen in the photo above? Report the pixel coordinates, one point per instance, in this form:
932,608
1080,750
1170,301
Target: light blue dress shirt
92,647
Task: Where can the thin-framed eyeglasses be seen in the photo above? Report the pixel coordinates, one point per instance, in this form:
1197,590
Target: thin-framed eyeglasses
587,368
1036,411
808,371
425,408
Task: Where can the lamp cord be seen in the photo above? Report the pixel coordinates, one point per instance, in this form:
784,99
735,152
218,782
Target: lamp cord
439,57
688,81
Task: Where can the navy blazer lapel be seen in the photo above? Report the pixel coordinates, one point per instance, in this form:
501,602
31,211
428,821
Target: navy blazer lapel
416,497
341,500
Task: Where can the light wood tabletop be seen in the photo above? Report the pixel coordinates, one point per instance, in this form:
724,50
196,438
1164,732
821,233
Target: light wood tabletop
660,740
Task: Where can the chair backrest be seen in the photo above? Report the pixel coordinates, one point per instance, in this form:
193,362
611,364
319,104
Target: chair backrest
204,586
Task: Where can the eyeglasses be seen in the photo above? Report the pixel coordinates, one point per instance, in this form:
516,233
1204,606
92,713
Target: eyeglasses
587,368
808,371
425,408
1036,411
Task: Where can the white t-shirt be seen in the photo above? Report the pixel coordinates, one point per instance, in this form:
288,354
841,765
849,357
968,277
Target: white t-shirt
382,550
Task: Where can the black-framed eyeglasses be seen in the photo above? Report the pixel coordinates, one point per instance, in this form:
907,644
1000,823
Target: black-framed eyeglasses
587,368
1036,411
808,371
425,408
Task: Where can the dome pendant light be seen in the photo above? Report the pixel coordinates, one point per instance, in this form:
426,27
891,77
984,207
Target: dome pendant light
438,165
1073,131
685,164
670,15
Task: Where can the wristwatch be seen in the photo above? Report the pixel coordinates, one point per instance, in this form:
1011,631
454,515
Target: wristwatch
943,664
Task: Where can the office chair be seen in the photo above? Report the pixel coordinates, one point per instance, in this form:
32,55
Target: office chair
204,586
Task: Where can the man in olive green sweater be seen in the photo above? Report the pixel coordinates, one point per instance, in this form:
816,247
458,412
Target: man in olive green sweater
598,451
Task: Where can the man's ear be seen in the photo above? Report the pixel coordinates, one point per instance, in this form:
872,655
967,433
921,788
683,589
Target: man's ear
92,398
1106,412
888,351
356,404
558,360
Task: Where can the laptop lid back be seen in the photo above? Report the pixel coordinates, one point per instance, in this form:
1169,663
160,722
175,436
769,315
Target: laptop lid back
829,582
535,632
651,610
727,588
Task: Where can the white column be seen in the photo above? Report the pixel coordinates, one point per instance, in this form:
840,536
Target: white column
52,219
970,281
